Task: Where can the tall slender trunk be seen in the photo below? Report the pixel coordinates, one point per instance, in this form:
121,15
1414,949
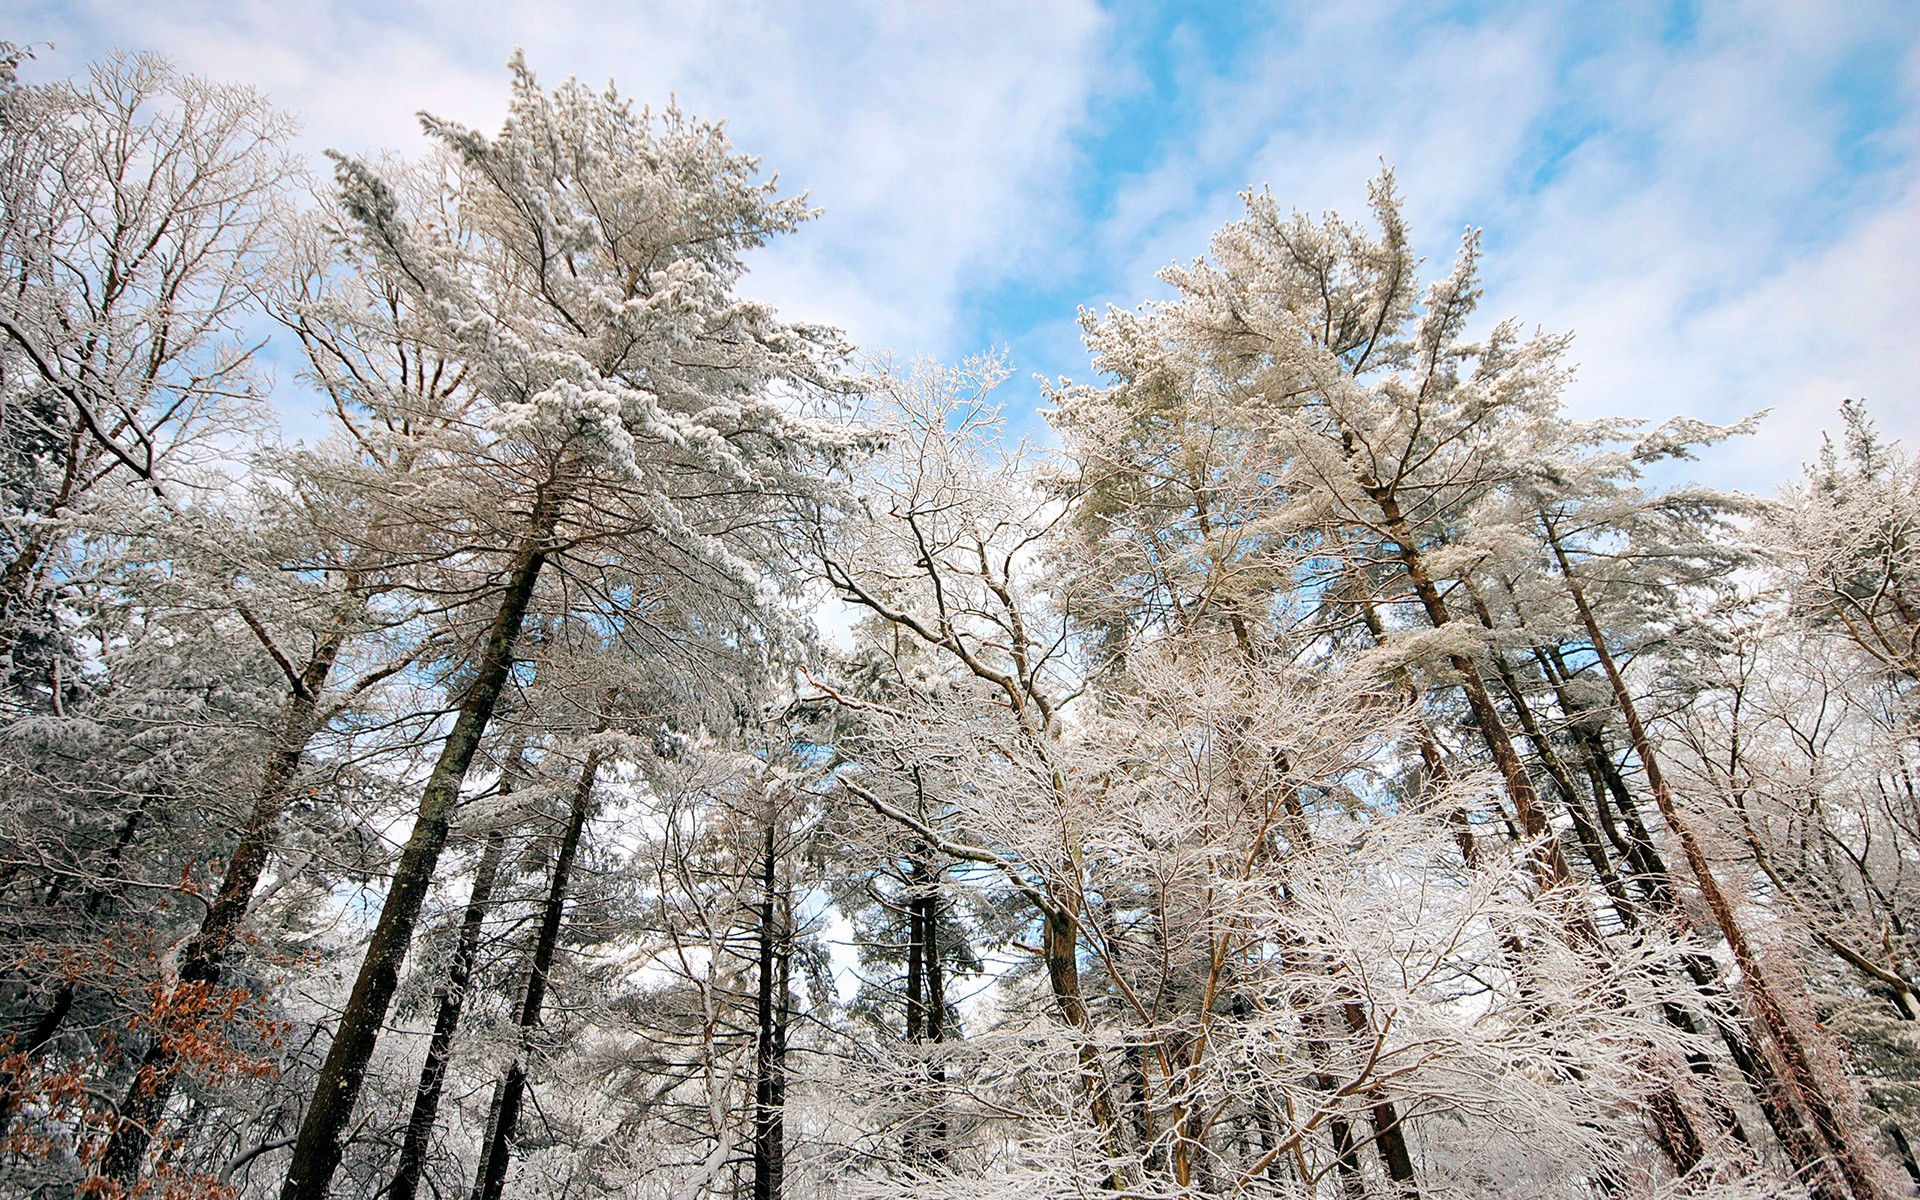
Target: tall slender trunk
1431,760
1390,1140
317,1149
1675,1135
41,1033
1849,1161
1346,1152
205,953
770,1040
1388,1137
1672,1126
503,1121
926,1000
1548,862
1586,833
451,1000
1655,882
38,1035
1651,875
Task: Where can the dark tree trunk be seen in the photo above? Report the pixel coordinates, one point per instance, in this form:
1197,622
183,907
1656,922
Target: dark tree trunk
770,1042
1845,1170
203,956
503,1121
1550,869
1390,1140
317,1149
1431,760
1388,1137
1547,860
926,1003
451,1000
916,958
1346,1155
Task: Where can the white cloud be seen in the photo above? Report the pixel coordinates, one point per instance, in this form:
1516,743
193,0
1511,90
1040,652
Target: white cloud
1683,204
1695,207
936,138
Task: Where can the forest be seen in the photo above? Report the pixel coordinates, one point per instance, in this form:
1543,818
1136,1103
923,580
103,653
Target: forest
647,748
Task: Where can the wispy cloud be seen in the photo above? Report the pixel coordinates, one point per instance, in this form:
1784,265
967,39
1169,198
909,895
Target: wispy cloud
934,137
1716,202
1722,200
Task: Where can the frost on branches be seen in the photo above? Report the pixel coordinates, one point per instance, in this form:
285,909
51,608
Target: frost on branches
1333,771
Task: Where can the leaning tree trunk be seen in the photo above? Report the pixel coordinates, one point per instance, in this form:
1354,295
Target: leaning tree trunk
1547,860
204,955
317,1149
1675,1134
1671,1123
446,1022
1854,1169
503,1120
1655,882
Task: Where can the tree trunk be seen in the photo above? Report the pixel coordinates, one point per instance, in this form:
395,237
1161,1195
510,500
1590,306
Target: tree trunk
770,1042
1388,1137
1850,1162
1655,882
1549,864
204,954
503,1121
41,1033
926,1003
446,1022
1346,1153
317,1149
1675,1134
1431,760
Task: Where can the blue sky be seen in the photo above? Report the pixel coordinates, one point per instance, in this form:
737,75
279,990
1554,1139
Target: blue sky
1721,200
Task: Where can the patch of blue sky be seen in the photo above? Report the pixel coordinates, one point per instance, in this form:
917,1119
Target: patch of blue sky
1872,107
1160,57
1627,103
1712,195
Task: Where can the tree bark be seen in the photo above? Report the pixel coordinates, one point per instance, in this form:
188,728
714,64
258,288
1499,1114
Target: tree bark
204,954
1548,862
317,1149
503,1121
1856,1176
926,999
770,1042
1674,1132
446,1022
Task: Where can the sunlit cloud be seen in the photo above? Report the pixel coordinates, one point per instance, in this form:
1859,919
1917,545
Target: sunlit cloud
1717,200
